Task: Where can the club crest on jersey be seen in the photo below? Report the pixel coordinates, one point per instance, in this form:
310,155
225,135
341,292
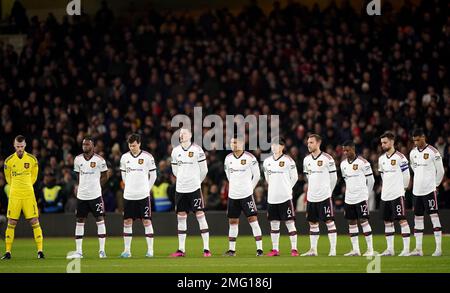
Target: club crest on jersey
243,162
141,161
426,156
26,165
355,166
393,162
93,164
281,164
190,154
319,163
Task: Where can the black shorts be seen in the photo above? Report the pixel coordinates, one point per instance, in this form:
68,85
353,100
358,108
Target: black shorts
137,209
426,203
393,209
191,201
281,211
323,211
246,205
95,206
356,211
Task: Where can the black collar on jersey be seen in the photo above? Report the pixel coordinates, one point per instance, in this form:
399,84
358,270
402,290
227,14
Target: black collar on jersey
239,156
137,154
278,158
187,147
353,160
312,156
421,150
89,158
391,155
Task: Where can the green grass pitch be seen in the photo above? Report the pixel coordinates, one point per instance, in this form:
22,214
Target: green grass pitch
24,257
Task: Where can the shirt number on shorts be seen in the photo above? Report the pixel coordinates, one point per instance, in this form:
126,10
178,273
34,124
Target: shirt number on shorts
197,202
432,204
99,207
147,212
327,210
364,209
399,210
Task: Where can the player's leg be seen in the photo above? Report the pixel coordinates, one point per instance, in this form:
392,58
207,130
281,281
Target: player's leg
389,230
198,205
327,215
313,220
248,206
38,237
81,215
98,210
404,226
367,231
233,213
419,209
128,217
31,213
351,216
182,204
432,209
288,216
233,232
145,214
274,219
13,213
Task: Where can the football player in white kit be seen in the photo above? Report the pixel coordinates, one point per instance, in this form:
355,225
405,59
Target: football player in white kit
190,168
320,169
242,171
359,181
138,171
394,169
281,175
426,163
92,174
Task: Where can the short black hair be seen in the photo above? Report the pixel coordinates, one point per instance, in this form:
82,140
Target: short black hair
279,140
389,135
20,138
316,136
349,143
135,137
89,138
418,132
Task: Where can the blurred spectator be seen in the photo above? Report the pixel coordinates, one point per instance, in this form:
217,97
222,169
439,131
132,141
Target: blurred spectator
50,195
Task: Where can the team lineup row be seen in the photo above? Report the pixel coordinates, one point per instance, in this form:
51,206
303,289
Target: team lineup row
189,166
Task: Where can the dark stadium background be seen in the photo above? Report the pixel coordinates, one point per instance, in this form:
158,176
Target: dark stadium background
122,68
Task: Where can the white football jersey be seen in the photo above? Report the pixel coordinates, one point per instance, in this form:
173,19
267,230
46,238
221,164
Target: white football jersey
137,178
188,170
242,173
355,173
392,168
428,170
281,176
89,172
318,171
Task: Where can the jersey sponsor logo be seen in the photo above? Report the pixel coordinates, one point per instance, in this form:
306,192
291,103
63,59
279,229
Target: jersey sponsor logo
355,166
319,163
281,164
93,164
243,162
393,162
190,154
141,161
426,156
26,165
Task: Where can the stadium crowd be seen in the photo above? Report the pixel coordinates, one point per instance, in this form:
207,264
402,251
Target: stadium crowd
331,71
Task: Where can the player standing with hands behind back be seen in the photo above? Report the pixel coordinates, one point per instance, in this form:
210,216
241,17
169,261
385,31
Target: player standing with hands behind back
138,171
320,169
21,171
190,168
92,174
394,169
426,163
